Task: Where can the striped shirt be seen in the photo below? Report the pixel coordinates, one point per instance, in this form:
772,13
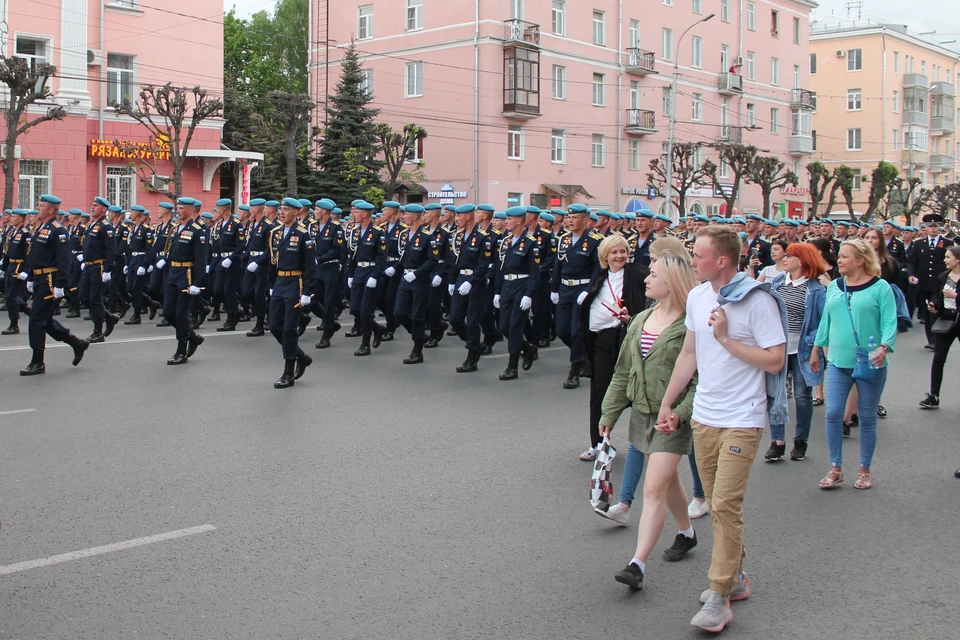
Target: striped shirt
646,342
794,295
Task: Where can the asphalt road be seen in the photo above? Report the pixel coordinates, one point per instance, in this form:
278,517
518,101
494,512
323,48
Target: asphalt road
378,500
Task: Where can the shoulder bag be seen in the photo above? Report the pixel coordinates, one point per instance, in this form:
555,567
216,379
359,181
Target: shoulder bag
862,369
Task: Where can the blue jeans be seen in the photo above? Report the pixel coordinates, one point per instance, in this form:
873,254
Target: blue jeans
836,388
633,469
697,485
803,398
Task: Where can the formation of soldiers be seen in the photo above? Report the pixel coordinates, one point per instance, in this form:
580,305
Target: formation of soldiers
518,275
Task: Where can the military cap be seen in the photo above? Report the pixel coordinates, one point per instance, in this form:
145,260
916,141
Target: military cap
603,213
466,208
363,205
912,228
843,223
138,208
356,202
271,203
185,200
516,212
699,217
50,198
415,209
433,206
292,202
256,202
790,222
739,220
754,216
557,211
742,235
931,218
682,219
102,201
449,207
485,207
223,202
532,209
304,203
660,216
714,219
629,215
827,221
403,209
197,203
646,213
206,215
392,204
578,208
7,212
115,209
549,217
19,212
326,204
61,212
166,205
499,215
594,217
616,216
244,207
75,212
338,211
85,215
803,223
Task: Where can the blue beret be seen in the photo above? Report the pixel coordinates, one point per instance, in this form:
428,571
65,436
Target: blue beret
578,208
75,212
893,224
185,200
356,202
791,222
753,216
912,228
466,208
52,199
337,211
603,213
803,223
594,217
701,218
166,205
843,223
256,202
19,212
292,202
271,203
197,203
244,207
138,208
485,207
325,204
557,211
85,215
403,209
661,217
646,213
532,209
500,215
115,209
363,205
449,207
515,212
549,217
682,219
102,201
206,215
615,215
629,215
827,221
7,212
415,208
742,235
715,220
304,203
433,206
223,202
739,220
393,204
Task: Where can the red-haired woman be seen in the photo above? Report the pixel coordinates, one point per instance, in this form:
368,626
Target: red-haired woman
804,296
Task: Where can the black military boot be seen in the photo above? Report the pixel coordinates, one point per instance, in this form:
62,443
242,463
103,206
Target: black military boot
304,321
573,378
163,323
180,357
79,347
257,331
97,335
364,350
12,330
470,364
529,355
436,336
36,366
73,311
303,361
215,316
325,339
510,373
134,319
230,324
286,380
416,355
204,312
195,341
153,305
378,333
354,332
112,321
122,307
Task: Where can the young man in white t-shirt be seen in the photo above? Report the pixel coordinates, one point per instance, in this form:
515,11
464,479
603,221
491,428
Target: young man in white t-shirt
732,348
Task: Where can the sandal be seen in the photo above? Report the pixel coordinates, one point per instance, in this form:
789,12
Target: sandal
818,402
832,479
589,455
863,480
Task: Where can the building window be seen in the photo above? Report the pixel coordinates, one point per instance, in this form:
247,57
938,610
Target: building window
34,51
724,169
774,71
724,58
896,62
697,58
129,4
365,22
896,102
697,108
796,31
698,6
516,9
514,199
414,15
120,186
751,16
414,84
34,182
923,67
751,65
599,94
559,18
813,64
796,76
634,34
725,10
599,28
915,99
724,118
857,180
915,140
634,94
559,82
801,124
558,146
751,115
515,142
669,3
667,38
366,80
666,101
854,141
633,155
854,99
854,59
896,140
521,79
119,79
775,121
597,150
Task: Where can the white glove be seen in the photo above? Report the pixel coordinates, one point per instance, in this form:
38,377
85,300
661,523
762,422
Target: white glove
252,267
271,292
581,297
2,271
141,271
80,258
126,270
208,269
57,293
106,277
226,263
372,283
436,282
496,301
150,269
83,265
525,303
304,301
29,287
350,282
21,276
555,298
194,290
410,277
465,288
161,263
450,288
389,272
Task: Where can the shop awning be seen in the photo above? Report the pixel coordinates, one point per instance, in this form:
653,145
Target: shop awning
411,187
213,158
567,190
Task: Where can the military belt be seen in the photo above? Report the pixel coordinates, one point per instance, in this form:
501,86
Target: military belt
409,270
44,271
12,261
466,272
289,274
574,283
181,265
366,264
223,255
256,254
389,259
516,276
95,261
134,254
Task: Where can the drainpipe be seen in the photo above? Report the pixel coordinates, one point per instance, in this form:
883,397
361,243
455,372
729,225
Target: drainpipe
740,20
100,99
616,198
883,96
476,101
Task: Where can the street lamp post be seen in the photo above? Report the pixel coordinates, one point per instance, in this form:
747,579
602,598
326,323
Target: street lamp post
673,112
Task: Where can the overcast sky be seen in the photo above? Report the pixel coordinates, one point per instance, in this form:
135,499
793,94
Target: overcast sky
919,15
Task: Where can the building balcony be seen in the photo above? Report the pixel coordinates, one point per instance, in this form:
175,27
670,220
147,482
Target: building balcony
804,99
915,117
942,89
640,62
521,32
801,145
941,126
519,104
640,122
730,84
916,157
730,135
915,80
940,162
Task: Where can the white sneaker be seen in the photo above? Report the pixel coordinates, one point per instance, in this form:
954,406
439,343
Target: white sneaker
616,514
697,509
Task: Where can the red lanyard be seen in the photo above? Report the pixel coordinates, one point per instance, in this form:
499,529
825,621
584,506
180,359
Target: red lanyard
617,300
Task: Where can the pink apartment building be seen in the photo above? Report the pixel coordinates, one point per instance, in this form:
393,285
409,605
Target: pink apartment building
548,102
104,50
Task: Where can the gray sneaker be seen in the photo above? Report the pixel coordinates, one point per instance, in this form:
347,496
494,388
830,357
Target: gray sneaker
714,615
740,591
616,514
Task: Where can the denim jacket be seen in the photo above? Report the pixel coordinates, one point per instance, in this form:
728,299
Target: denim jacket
739,288
812,312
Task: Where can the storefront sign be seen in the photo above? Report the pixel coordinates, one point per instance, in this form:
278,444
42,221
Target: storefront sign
447,195
722,190
790,190
156,149
245,183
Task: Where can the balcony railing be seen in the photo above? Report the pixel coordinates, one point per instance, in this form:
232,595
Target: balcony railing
730,135
641,122
640,62
521,31
801,145
914,80
940,162
804,98
916,156
730,84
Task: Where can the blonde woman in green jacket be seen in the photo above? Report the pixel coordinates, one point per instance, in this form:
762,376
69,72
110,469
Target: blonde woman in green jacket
652,344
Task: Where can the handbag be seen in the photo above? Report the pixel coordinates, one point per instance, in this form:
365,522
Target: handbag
601,487
943,325
862,370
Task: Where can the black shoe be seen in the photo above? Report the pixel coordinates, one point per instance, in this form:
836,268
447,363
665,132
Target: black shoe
95,338
487,350
415,357
227,326
112,321
510,373
245,317
630,576
73,313
34,369
799,451
930,402
573,378
153,311
846,429
214,317
163,323
775,452
134,319
387,336
79,347
432,343
195,341
10,331
87,318
543,343
929,346
377,335
303,361
304,321
470,364
323,344
452,332
178,358
256,332
881,411
681,547
529,355
364,350
854,420
353,333
956,474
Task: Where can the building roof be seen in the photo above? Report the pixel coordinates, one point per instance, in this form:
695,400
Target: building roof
835,27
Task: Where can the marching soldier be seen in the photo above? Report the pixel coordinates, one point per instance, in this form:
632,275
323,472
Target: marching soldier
158,277
367,248
644,238
419,255
541,310
75,245
516,285
472,256
141,243
256,276
99,259
395,232
187,256
439,228
16,248
226,254
924,268
293,281
330,249
755,242
115,293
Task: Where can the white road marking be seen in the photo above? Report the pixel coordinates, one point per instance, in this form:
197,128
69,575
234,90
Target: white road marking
14,412
107,548
52,344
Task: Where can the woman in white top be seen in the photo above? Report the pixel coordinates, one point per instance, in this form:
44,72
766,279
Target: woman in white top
778,251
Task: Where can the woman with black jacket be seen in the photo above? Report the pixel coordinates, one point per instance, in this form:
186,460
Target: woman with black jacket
615,295
945,309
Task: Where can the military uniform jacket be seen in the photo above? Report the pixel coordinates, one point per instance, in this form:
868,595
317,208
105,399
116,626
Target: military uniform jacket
927,262
420,253
75,243
49,250
897,251
520,257
441,237
396,239
188,244
227,240
160,234
121,236
548,252
640,252
763,251
576,260
292,253
330,243
366,245
16,246
140,243
473,251
98,244
258,242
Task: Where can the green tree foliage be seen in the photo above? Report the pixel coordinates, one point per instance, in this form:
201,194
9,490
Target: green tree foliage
738,158
842,183
882,180
768,172
687,173
820,179
396,147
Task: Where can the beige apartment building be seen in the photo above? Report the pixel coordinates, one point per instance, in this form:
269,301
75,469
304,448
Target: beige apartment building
884,93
